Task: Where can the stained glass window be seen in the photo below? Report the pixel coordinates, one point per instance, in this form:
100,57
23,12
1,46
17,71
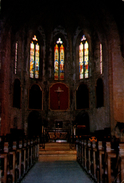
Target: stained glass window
83,58
16,56
100,58
34,58
59,60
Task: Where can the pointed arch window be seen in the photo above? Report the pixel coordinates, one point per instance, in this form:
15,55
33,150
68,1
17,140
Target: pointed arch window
59,55
34,58
101,70
83,58
35,97
82,97
16,56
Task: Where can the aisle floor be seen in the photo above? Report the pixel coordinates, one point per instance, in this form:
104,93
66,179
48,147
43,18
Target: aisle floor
57,172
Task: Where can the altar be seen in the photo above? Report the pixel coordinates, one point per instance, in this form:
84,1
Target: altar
58,135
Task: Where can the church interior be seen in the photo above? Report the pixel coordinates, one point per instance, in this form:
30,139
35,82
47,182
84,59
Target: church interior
62,70
62,64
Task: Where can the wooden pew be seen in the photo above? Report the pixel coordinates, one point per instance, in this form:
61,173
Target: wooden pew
110,154
82,155
89,158
101,154
16,158
3,169
95,154
103,160
80,152
121,155
85,154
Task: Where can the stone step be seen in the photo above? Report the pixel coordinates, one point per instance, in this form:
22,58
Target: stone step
45,152
57,146
57,152
57,158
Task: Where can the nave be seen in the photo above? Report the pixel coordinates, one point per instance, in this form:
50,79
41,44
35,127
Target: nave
57,171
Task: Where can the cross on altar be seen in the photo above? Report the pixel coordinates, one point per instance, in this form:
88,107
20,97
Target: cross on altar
59,90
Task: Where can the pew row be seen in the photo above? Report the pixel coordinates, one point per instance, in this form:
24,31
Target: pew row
16,158
102,160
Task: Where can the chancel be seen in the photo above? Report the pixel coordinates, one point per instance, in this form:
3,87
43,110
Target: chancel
62,86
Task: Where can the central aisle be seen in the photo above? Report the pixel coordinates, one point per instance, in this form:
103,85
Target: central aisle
57,172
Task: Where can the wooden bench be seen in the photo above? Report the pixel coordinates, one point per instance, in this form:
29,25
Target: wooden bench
17,158
102,160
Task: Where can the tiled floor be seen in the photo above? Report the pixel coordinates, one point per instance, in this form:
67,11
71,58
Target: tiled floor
57,172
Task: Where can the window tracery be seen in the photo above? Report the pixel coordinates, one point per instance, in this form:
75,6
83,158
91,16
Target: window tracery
59,53
101,70
83,58
16,57
34,58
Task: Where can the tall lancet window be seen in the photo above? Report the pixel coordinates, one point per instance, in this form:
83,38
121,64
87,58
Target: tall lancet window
16,56
59,60
101,70
34,58
83,58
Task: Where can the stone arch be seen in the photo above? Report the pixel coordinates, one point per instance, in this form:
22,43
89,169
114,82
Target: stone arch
34,124
97,40
82,97
39,32
58,32
35,97
15,120
82,123
80,31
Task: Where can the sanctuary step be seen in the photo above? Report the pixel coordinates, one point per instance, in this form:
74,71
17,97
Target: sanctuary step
57,152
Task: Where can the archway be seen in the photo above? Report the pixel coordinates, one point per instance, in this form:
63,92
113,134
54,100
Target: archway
82,123
34,124
35,97
82,97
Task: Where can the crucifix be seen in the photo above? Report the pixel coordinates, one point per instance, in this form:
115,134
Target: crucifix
59,90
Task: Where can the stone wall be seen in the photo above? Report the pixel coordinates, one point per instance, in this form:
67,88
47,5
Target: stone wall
99,26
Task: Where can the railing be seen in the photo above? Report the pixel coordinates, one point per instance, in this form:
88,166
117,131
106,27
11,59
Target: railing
16,158
102,160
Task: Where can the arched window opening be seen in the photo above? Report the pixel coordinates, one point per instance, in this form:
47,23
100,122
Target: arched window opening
82,97
101,70
34,124
16,56
99,93
35,97
15,122
82,123
59,60
34,58
17,94
83,58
